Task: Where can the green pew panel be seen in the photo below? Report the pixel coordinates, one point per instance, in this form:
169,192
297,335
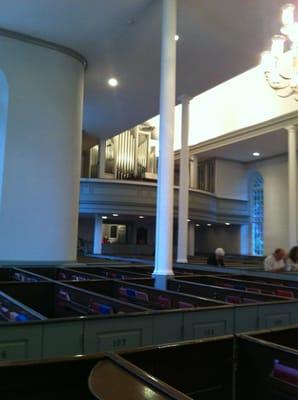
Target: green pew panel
168,327
63,338
276,315
117,333
20,342
209,322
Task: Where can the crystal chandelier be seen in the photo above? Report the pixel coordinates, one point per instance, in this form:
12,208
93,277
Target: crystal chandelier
280,64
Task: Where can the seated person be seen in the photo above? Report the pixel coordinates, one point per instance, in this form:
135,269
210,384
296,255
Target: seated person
217,258
292,261
276,261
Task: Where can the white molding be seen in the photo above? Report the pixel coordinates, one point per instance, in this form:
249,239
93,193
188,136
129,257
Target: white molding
44,43
274,124
138,183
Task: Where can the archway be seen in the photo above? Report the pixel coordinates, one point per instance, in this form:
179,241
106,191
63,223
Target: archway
3,124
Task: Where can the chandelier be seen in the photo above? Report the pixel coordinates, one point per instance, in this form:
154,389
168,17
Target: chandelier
280,64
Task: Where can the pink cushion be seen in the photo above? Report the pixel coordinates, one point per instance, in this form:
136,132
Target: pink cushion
285,293
227,285
184,304
286,374
233,299
142,296
253,290
122,291
165,302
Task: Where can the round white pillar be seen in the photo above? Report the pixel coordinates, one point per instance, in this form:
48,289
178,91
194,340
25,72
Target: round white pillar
97,235
194,172
165,190
292,177
191,234
183,184
244,239
42,152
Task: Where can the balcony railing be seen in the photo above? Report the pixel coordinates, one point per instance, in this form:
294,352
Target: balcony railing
102,196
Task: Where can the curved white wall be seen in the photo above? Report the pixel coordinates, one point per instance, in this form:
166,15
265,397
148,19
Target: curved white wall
3,122
39,210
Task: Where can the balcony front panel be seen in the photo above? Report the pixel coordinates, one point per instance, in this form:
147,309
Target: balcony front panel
135,198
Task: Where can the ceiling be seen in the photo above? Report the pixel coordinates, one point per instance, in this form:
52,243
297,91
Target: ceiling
268,145
121,38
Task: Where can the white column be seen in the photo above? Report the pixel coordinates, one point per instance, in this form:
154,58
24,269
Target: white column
97,235
183,184
194,172
292,177
244,239
191,239
165,191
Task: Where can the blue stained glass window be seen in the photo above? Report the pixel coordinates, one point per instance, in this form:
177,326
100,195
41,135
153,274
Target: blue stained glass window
257,214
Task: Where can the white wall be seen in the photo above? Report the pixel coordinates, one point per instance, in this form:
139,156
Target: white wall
240,102
275,174
230,180
227,237
39,210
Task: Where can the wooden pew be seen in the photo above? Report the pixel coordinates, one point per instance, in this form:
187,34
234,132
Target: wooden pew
272,368
245,285
148,297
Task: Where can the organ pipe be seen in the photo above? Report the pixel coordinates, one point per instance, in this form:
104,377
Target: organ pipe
132,154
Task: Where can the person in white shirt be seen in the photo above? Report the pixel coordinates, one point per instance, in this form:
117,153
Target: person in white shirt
292,261
276,261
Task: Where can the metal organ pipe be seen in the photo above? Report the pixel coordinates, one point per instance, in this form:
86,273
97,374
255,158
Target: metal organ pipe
136,144
126,158
121,156
131,154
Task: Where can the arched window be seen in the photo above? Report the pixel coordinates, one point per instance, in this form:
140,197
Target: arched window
3,120
257,214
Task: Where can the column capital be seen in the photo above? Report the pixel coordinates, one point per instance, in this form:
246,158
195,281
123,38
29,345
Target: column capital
184,98
292,128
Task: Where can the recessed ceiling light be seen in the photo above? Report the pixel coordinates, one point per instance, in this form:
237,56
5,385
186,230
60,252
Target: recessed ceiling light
197,224
256,154
227,223
209,224
104,217
113,82
141,216
188,220
115,215
177,37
